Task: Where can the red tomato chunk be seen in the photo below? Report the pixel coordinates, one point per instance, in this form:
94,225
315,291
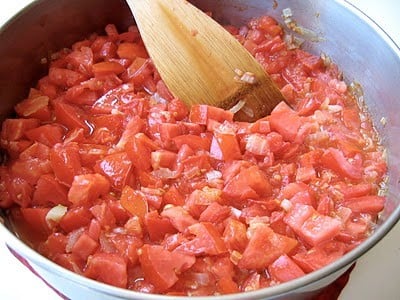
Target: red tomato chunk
112,177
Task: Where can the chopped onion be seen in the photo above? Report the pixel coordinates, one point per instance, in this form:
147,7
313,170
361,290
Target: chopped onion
55,214
165,173
213,174
238,106
286,204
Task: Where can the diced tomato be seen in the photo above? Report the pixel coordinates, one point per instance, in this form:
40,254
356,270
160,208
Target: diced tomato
134,202
366,204
264,247
208,241
199,200
49,191
117,168
70,116
227,286
319,256
298,192
158,226
75,218
139,149
90,154
65,77
85,189
108,268
30,169
36,220
161,266
225,146
48,135
235,235
285,121
65,162
179,217
131,51
201,113
163,159
173,196
37,107
193,141
108,67
251,182
335,160
14,129
285,269
313,227
84,246
215,213
104,215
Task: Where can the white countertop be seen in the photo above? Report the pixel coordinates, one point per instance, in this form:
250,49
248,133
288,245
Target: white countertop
376,275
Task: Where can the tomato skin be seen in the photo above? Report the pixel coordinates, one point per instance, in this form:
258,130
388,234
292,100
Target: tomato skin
108,268
161,266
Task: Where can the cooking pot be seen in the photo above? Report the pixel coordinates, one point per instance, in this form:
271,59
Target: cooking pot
361,49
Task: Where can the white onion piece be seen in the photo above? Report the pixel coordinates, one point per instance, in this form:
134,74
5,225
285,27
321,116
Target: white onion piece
55,214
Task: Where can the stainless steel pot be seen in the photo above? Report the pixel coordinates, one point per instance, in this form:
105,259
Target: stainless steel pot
362,50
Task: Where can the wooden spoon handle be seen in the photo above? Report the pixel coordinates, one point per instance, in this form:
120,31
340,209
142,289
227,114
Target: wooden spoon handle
199,60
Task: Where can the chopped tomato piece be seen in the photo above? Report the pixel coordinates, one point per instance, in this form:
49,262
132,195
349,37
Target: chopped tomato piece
285,121
264,247
50,191
158,226
85,189
117,168
161,266
37,107
65,161
201,113
335,160
366,204
285,269
134,202
313,227
75,218
179,217
108,268
48,135
207,240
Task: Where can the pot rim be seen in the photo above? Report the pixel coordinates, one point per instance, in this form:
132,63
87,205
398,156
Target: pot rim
296,285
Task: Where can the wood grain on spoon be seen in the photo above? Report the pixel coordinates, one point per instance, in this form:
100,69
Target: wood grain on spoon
200,62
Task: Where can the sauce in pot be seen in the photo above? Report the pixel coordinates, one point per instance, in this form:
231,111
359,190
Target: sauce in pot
110,176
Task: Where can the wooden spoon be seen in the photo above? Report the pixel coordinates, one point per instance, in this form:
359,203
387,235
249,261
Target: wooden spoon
200,62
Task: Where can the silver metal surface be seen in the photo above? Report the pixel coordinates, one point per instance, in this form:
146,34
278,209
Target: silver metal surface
363,51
